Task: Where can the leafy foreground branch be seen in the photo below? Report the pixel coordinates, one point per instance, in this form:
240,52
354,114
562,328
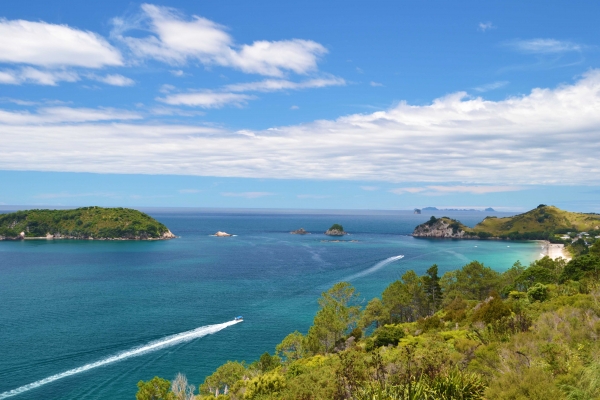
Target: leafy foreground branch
473,333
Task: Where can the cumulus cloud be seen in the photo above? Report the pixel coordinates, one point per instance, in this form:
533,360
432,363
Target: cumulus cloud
545,46
177,40
206,99
50,45
549,136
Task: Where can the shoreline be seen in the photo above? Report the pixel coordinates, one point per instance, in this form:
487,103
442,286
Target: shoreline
553,250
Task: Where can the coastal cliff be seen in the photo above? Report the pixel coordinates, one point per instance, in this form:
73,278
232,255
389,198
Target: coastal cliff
443,228
82,223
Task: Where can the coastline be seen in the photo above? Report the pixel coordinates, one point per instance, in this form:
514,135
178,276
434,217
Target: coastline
554,250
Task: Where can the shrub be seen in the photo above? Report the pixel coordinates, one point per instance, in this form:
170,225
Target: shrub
538,292
388,334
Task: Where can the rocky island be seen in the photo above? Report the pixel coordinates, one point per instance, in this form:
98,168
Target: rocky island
300,231
336,230
222,234
82,223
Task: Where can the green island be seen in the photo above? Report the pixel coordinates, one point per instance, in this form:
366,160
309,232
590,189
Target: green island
549,223
82,223
474,333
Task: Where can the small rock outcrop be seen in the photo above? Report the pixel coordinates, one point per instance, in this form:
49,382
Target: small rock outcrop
300,231
442,228
222,234
168,235
336,230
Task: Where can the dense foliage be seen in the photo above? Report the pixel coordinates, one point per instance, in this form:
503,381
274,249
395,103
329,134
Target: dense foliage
474,333
337,227
95,222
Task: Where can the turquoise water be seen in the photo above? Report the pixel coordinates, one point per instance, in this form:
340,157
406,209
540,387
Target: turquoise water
66,304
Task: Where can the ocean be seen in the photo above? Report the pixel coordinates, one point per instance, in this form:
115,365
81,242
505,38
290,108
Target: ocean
89,319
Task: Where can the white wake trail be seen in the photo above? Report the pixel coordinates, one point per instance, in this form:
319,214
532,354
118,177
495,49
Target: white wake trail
138,351
374,268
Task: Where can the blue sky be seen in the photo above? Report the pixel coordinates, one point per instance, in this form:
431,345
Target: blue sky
371,105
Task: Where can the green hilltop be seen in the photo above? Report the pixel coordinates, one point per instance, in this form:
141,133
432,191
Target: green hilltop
82,223
542,223
541,219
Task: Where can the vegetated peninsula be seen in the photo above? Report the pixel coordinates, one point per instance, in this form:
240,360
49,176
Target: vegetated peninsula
82,223
542,223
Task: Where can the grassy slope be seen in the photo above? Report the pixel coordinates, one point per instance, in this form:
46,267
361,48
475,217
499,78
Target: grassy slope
541,219
94,222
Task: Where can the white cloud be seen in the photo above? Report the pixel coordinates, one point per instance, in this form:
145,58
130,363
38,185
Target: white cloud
376,84
491,86
369,188
549,136
411,190
441,189
50,45
248,195
58,115
177,40
484,26
113,79
177,72
545,46
272,85
206,99
294,108
37,76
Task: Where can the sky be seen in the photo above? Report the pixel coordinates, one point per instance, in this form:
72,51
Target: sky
316,105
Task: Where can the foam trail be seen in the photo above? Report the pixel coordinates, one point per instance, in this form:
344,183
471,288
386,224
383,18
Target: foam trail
167,341
374,268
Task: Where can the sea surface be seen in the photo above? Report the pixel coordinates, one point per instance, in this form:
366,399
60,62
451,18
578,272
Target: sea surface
95,317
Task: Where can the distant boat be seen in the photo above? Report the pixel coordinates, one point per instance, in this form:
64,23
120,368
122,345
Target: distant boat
239,318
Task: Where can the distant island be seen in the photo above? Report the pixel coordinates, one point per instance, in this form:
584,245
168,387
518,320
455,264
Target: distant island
336,230
300,231
489,209
82,223
542,223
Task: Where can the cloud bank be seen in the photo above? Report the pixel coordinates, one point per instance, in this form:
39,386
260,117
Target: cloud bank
176,40
550,136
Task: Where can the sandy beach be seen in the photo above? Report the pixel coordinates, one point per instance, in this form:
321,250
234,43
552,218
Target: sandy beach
554,250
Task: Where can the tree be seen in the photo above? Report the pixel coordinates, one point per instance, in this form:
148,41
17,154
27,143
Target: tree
223,378
473,282
292,347
335,317
154,389
180,388
267,362
405,299
374,313
433,290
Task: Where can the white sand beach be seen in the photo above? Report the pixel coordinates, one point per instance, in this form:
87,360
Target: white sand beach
554,250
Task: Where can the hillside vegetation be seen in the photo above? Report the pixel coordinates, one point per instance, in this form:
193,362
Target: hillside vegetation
83,223
542,223
541,219
474,333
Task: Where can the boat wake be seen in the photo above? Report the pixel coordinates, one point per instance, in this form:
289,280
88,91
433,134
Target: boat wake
167,341
374,268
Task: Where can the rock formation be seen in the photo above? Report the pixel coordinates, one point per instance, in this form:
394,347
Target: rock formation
300,231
